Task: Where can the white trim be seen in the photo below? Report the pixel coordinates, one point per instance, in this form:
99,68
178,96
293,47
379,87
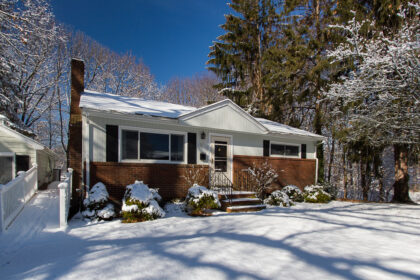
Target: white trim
151,130
211,150
13,155
286,144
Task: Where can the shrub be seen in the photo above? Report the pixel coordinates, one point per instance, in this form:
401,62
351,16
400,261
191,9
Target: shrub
97,204
263,176
294,193
278,198
141,203
199,200
316,194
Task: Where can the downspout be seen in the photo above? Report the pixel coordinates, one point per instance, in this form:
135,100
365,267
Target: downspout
316,164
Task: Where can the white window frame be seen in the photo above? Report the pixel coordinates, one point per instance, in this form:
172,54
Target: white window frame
151,130
285,144
13,155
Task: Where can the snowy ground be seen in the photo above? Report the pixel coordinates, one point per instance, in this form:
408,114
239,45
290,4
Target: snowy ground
339,240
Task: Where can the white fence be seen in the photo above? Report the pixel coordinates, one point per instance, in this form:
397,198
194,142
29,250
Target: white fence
65,196
15,194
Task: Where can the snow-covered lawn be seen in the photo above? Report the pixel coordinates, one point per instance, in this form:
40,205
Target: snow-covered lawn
338,240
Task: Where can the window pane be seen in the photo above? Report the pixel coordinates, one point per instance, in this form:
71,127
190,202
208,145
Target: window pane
291,151
6,164
277,149
177,147
220,151
130,140
220,165
154,146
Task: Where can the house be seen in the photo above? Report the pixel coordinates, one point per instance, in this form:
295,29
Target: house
19,152
116,140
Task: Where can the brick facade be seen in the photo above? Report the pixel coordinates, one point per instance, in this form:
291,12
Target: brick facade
167,177
291,171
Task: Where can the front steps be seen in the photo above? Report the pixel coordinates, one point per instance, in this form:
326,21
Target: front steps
241,202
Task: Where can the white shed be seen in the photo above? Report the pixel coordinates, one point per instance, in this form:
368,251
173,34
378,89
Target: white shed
19,152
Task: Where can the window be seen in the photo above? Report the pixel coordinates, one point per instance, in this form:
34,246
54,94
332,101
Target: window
284,150
177,147
130,146
154,146
7,170
140,145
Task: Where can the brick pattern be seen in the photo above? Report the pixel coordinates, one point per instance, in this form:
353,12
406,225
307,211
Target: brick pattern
291,171
167,177
75,128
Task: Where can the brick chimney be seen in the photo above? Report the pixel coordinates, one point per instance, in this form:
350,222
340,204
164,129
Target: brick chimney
74,148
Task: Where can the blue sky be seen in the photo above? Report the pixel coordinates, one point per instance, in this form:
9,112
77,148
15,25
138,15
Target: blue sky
171,36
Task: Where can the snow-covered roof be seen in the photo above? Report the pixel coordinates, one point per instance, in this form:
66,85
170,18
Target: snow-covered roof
132,105
285,129
140,106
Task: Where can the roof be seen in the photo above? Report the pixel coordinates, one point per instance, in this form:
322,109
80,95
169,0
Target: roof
139,106
29,141
132,105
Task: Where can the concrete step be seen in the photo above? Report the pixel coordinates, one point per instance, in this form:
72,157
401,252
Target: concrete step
236,195
245,208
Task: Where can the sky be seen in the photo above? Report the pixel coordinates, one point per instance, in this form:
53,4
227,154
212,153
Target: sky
171,36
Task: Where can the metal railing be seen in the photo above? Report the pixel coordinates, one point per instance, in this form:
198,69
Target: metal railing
65,196
15,194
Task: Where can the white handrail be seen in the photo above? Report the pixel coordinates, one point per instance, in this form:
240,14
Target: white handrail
15,194
65,196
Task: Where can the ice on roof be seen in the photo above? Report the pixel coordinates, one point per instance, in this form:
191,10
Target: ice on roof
133,105
282,128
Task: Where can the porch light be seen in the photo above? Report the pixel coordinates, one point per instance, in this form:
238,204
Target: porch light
203,135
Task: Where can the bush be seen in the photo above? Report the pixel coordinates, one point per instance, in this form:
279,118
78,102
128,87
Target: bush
141,204
199,200
263,176
316,194
97,204
294,193
278,198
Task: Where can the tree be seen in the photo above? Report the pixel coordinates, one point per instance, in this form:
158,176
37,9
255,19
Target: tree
28,40
196,91
237,57
381,95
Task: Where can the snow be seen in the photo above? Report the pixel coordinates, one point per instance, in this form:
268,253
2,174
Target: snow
97,194
338,240
285,129
140,192
132,105
196,192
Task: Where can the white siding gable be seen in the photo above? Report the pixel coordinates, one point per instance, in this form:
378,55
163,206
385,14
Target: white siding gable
223,116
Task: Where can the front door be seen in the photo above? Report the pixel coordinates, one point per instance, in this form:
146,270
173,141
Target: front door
221,156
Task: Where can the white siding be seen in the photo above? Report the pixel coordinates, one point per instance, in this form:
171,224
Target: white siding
225,118
244,143
46,164
8,143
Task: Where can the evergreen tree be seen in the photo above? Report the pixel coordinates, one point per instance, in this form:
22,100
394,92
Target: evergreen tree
237,56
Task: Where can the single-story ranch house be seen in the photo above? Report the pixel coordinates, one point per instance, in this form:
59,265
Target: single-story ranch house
19,152
116,140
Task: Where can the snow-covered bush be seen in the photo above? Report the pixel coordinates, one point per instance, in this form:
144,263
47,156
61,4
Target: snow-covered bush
97,204
278,198
294,193
140,203
263,176
316,194
200,199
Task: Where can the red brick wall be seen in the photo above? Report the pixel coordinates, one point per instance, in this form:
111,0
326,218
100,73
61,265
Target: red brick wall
167,177
291,171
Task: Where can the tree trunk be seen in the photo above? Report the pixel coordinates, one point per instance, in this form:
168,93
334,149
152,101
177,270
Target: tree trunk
401,174
331,160
345,179
363,179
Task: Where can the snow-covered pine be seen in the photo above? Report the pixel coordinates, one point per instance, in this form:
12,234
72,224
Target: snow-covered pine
200,199
278,198
140,203
97,204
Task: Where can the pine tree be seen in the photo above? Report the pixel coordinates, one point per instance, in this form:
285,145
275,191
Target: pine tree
237,56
